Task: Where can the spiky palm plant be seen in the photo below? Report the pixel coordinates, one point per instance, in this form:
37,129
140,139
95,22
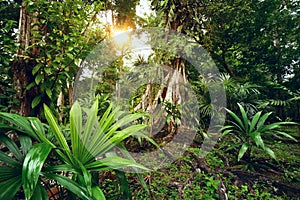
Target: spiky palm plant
90,140
250,131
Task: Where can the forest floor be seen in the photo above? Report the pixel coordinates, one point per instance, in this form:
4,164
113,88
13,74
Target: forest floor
220,176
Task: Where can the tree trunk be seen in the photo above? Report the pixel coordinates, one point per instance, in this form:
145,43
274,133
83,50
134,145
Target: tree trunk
22,69
170,92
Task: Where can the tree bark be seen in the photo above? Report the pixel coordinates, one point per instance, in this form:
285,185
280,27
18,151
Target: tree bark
22,69
170,92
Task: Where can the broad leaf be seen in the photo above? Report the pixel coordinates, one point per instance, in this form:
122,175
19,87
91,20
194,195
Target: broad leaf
113,162
236,118
97,193
244,116
35,102
261,122
242,151
286,135
254,121
270,152
32,166
25,142
9,172
256,137
21,122
8,160
10,187
39,130
76,128
55,129
39,193
11,145
70,185
59,168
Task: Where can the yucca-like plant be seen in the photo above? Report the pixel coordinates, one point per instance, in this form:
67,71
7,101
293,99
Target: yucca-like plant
250,132
91,139
21,162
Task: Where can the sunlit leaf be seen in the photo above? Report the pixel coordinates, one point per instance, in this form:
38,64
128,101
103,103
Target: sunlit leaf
70,185
97,193
55,129
242,151
32,166
114,162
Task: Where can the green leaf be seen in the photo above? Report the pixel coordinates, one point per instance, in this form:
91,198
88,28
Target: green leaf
233,146
128,156
8,160
91,122
114,162
276,125
49,93
124,185
39,193
25,142
125,121
5,128
106,144
10,187
36,101
97,193
9,172
86,177
168,118
226,130
63,167
19,121
76,129
256,137
13,148
242,151
39,130
260,123
270,152
237,119
36,68
286,135
244,116
55,129
69,55
29,86
38,78
254,121
70,185
269,127
32,166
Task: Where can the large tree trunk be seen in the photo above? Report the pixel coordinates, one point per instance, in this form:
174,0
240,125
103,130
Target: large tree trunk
170,92
22,69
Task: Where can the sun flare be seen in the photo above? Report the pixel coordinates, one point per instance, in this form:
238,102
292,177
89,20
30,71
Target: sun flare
121,37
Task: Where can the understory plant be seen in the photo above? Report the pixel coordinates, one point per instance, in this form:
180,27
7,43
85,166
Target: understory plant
251,131
30,162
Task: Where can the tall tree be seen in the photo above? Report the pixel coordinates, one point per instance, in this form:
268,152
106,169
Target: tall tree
53,37
9,16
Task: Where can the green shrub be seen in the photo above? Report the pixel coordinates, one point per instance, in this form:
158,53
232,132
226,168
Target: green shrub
250,132
31,165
